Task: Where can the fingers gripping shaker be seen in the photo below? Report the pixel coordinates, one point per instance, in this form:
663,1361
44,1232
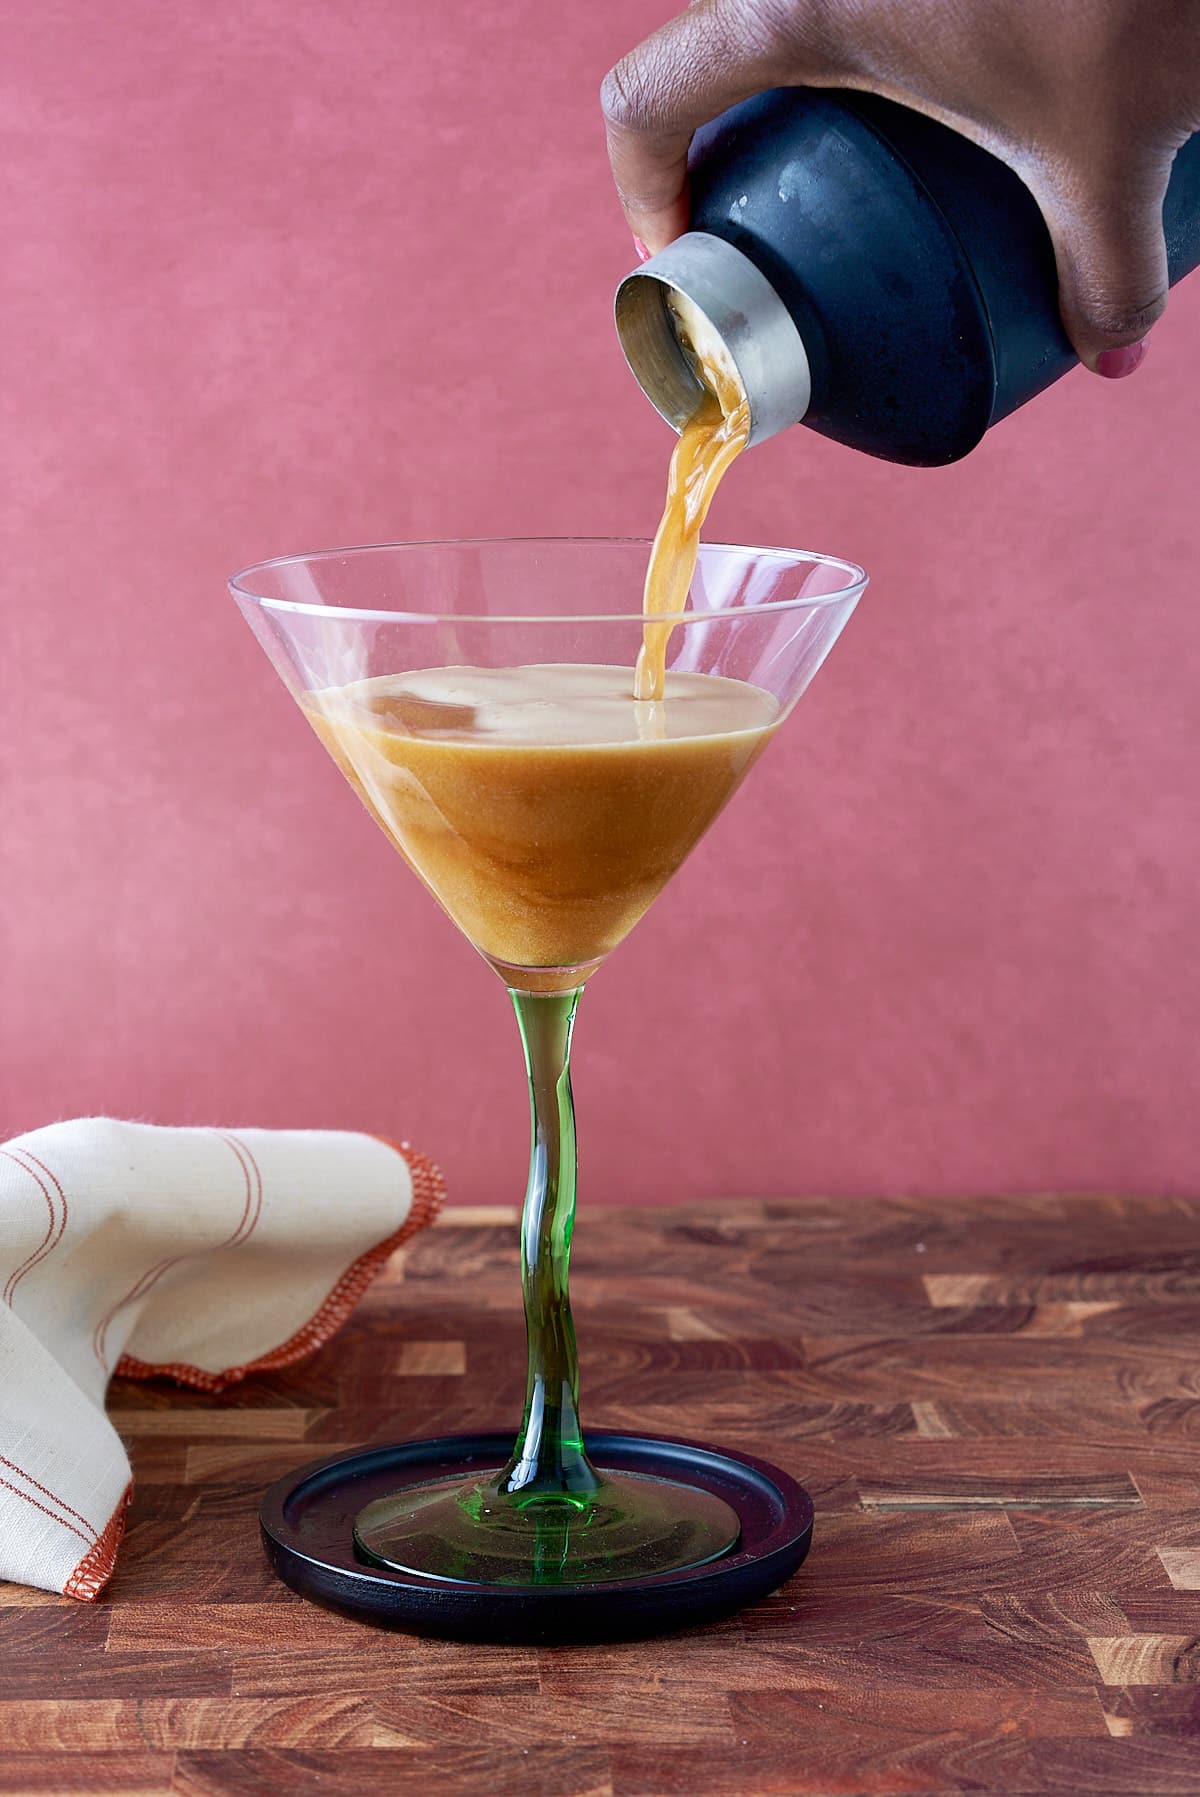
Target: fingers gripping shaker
871,273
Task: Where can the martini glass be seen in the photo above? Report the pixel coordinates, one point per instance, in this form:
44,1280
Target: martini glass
478,698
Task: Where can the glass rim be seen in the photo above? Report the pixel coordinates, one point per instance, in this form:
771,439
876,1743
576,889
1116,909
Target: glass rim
238,584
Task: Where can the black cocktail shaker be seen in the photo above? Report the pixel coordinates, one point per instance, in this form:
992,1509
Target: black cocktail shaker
871,273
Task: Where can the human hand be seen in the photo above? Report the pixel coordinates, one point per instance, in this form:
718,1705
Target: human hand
1087,100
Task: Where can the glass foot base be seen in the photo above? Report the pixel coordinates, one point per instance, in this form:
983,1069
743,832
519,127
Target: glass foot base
471,1532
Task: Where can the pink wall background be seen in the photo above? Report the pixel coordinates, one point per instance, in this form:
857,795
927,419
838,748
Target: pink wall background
946,938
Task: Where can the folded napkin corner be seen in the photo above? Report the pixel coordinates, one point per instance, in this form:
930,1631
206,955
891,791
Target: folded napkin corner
198,1255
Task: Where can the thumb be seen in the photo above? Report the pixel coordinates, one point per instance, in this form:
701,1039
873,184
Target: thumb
1112,260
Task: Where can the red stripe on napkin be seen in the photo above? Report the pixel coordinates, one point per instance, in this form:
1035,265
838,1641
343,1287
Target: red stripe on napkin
429,1192
46,1492
251,1211
54,1229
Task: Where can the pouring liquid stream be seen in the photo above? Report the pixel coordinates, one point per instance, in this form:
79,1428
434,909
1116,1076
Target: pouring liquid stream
546,805
711,440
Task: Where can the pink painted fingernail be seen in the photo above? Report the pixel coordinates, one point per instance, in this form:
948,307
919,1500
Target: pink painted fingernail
642,252
1114,364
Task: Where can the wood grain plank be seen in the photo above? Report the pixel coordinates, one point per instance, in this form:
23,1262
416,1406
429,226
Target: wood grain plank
242,1628
420,1359
1136,1276
952,1643
754,1415
1002,1366
1153,1710
452,1772
1118,1550
1045,1618
886,1716
57,1629
357,1666
257,1463
807,1637
1019,1491
908,1459
906,1552
93,1676
87,1774
30,1597
1057,1766
475,1216
111,1725
586,1716
1111,1420
1176,1419
198,1558
156,1501
701,1353
1182,1566
195,1424
1147,1659
995,1404
1163,1487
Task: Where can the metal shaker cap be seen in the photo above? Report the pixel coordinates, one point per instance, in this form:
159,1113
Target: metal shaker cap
740,314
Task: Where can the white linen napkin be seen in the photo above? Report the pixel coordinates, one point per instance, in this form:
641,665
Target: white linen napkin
201,1255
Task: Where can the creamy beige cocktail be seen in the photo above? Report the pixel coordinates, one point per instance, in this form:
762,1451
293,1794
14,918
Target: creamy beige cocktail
544,807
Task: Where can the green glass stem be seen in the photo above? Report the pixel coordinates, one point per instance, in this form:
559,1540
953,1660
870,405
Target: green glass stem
548,1517
548,1460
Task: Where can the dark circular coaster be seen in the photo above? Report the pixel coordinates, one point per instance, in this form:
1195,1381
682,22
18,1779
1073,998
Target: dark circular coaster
307,1521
